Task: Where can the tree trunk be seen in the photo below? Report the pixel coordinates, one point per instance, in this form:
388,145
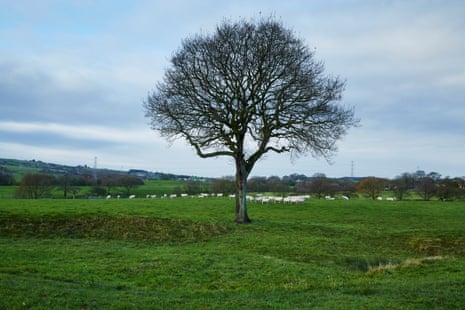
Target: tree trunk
241,193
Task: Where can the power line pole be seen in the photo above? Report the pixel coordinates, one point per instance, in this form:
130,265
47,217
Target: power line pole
95,168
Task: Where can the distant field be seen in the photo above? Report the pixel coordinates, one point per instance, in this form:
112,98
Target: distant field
151,187
155,187
188,254
7,191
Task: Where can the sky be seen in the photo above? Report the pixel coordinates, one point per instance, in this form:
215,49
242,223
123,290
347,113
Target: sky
74,75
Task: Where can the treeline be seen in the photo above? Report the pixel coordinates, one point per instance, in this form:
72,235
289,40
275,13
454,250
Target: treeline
318,185
41,185
425,186
6,177
417,185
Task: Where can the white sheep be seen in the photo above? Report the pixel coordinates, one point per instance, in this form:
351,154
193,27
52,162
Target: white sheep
295,199
263,199
132,196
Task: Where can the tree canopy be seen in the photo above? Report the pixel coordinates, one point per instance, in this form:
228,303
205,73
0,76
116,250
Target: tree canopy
249,88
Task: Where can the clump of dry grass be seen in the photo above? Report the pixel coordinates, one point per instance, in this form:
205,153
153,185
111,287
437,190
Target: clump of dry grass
452,245
406,263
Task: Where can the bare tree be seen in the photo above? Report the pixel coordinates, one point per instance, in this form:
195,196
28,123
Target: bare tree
402,184
249,88
319,185
372,186
68,184
223,185
38,185
426,187
128,182
448,189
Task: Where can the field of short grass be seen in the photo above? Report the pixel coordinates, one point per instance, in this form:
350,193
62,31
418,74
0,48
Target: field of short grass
188,254
7,191
150,187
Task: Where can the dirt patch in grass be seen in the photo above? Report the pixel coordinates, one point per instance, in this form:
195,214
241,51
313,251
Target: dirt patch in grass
106,227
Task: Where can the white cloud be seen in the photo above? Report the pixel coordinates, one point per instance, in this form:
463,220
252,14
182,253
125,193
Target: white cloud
57,155
99,133
390,152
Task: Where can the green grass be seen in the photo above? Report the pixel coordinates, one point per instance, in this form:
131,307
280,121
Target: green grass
161,187
188,254
150,187
7,191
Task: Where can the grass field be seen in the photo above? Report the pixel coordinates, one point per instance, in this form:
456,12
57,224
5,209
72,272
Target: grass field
188,254
150,187
7,191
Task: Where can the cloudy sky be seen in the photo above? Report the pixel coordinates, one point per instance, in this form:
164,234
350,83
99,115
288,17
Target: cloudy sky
74,74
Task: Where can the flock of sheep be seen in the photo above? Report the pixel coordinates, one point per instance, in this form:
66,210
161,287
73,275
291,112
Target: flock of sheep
258,198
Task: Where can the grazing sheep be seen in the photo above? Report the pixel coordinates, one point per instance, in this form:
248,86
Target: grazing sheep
295,199
345,198
263,199
132,196
108,197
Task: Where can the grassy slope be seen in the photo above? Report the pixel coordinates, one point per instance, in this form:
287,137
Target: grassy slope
317,254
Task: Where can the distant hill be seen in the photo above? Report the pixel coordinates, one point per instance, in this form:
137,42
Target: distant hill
18,168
